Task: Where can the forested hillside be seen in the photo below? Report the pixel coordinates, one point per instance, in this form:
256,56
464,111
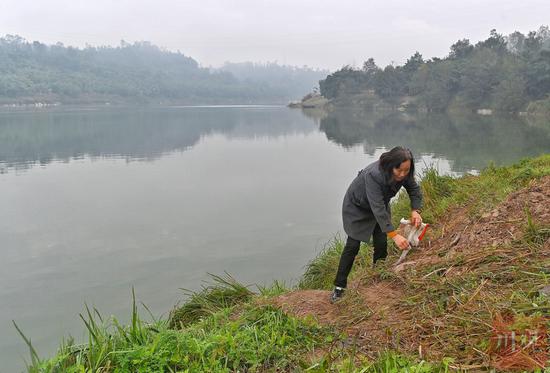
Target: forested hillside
141,72
504,73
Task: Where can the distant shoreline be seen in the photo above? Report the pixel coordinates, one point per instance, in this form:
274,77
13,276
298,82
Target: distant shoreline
92,107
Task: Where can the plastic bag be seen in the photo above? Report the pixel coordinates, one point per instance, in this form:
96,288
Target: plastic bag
411,233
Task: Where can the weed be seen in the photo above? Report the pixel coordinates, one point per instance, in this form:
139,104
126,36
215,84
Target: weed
276,288
224,292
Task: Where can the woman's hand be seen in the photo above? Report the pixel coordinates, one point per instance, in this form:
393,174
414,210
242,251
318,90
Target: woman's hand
416,219
401,242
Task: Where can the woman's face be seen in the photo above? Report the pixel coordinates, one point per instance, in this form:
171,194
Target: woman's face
401,172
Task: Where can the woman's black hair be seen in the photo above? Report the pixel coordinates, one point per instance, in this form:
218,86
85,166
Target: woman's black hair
393,159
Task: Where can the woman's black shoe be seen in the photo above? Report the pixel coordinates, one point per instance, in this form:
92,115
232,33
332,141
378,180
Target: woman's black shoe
337,294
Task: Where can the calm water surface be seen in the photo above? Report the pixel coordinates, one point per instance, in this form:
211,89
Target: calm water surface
95,202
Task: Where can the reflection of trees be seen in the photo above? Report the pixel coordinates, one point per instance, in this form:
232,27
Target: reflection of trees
470,141
29,138
317,114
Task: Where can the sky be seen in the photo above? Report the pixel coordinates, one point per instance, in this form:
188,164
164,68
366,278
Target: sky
319,34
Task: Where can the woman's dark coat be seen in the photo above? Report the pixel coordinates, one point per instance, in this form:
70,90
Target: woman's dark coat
367,201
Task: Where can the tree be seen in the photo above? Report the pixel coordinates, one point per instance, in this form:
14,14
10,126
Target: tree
514,42
413,63
435,85
390,84
370,67
461,49
531,45
509,94
345,81
478,77
495,41
538,76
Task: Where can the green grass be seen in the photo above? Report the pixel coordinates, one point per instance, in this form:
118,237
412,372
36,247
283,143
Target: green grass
387,362
260,338
223,293
275,289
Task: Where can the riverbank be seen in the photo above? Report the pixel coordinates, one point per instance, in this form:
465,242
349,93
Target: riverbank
369,101
482,272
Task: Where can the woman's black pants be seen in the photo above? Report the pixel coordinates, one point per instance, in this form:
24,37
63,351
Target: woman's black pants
380,243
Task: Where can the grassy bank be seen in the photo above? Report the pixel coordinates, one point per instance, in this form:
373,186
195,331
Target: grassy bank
446,307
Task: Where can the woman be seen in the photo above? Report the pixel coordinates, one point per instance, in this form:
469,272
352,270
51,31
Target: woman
366,209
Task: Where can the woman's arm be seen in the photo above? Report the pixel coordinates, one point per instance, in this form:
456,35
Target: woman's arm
415,195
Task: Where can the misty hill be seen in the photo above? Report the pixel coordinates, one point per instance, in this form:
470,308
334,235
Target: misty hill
137,73
503,73
291,80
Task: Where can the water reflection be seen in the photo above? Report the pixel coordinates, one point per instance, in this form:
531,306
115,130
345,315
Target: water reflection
470,141
27,139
